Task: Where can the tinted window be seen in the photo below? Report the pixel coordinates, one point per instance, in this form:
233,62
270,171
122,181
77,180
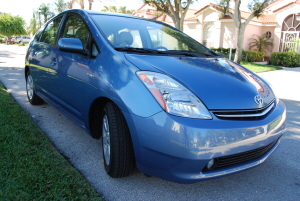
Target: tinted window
50,31
76,28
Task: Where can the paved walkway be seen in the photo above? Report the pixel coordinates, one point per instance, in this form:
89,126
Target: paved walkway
286,82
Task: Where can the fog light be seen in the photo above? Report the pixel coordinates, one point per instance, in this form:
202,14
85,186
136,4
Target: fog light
210,165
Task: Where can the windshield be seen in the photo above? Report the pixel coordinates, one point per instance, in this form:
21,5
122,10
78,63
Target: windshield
125,33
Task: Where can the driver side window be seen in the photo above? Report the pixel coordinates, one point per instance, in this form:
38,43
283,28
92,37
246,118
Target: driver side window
76,28
50,31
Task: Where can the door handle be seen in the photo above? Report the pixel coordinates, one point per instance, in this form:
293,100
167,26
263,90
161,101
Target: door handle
34,54
90,75
53,62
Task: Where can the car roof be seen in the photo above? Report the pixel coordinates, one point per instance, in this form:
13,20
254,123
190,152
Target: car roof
92,12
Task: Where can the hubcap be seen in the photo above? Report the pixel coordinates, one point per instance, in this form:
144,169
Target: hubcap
106,140
29,87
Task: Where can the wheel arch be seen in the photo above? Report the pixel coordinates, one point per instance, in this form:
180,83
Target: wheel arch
26,70
95,120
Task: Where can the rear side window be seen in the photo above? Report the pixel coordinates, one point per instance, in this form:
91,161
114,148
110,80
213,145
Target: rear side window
76,28
50,31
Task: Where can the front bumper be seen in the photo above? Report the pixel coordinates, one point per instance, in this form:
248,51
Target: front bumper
178,149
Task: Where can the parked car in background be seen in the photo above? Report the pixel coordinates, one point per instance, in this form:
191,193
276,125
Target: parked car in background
157,98
22,39
10,40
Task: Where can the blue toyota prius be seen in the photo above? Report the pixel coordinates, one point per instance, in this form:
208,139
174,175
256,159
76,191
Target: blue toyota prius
159,100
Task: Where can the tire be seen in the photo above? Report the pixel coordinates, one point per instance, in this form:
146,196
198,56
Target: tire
117,146
33,98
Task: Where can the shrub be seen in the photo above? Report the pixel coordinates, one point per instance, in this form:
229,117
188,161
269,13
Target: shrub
253,55
224,51
289,59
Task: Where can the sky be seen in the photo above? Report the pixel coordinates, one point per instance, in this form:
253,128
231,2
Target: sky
25,8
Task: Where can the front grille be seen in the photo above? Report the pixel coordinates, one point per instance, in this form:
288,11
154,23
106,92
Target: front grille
228,161
244,114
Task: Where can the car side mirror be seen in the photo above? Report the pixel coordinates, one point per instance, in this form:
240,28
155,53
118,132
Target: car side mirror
73,45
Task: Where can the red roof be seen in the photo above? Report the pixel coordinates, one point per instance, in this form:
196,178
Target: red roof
296,2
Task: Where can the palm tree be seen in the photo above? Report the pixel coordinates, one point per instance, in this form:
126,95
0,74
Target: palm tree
70,4
112,9
90,4
81,3
60,6
46,12
261,43
122,9
33,26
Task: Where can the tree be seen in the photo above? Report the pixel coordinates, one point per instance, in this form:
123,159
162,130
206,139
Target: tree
33,26
81,3
46,12
115,9
256,7
176,9
70,4
261,43
11,25
90,4
60,6
123,9
223,6
112,9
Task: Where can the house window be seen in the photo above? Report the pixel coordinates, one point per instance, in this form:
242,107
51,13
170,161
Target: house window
208,30
268,34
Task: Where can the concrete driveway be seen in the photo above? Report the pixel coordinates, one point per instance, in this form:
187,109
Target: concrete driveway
277,179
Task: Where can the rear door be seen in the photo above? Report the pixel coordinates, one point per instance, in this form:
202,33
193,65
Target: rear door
42,54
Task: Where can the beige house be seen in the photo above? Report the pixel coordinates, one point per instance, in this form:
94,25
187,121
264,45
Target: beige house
280,22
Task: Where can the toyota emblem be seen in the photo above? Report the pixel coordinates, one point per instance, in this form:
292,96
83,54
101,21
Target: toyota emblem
258,99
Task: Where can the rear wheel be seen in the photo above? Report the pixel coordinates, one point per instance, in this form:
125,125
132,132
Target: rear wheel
116,143
33,98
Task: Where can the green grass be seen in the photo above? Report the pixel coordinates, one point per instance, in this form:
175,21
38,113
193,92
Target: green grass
258,68
30,167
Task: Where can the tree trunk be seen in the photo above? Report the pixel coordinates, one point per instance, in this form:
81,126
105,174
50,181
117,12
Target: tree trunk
90,4
240,44
176,22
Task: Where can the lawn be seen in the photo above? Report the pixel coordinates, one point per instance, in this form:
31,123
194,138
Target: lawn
30,167
258,68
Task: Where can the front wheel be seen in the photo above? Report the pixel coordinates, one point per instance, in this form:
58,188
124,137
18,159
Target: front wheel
116,143
33,98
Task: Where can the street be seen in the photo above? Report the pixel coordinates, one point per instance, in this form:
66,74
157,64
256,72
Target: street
276,179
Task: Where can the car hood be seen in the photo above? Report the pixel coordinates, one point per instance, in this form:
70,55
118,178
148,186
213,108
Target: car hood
218,82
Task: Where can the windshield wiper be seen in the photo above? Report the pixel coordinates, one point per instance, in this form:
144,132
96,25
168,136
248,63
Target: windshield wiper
168,52
134,49
188,53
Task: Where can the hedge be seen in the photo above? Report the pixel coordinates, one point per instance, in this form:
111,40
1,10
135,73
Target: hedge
289,59
248,55
253,55
224,51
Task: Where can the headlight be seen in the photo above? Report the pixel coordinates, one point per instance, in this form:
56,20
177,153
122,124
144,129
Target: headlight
173,97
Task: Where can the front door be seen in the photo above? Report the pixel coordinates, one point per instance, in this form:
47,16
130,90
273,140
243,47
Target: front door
70,70
290,41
